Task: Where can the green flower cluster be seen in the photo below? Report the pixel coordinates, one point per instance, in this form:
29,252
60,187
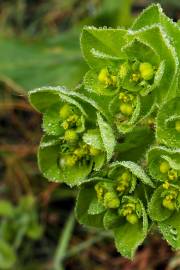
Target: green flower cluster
117,135
74,142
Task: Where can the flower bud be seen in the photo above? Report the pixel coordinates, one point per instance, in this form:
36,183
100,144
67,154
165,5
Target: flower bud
132,218
94,151
65,125
135,77
172,174
79,152
70,161
70,136
126,109
113,80
164,167
123,181
103,76
126,98
166,185
100,191
169,200
146,70
111,200
65,111
67,160
169,204
126,176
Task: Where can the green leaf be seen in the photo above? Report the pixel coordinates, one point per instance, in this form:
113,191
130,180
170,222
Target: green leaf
49,140
132,148
99,161
85,197
77,174
126,125
170,228
52,124
92,84
156,210
148,103
34,231
148,16
107,136
153,15
93,137
169,115
48,160
96,179
155,38
51,121
134,168
142,52
7,255
6,209
99,102
111,219
106,41
43,98
144,106
158,154
129,236
26,203
95,207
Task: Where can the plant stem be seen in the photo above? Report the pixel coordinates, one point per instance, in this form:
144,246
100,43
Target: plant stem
82,246
63,243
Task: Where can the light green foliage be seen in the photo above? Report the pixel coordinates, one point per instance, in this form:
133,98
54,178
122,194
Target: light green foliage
117,135
8,256
164,163
17,223
50,61
168,123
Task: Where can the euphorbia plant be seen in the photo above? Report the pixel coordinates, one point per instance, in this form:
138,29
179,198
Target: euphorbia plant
117,135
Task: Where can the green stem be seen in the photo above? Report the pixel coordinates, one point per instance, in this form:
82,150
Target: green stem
63,243
82,246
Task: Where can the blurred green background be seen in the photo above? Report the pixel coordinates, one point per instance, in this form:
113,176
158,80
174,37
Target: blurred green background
39,45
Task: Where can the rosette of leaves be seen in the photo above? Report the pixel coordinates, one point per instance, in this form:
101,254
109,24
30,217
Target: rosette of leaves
127,103
164,166
74,144
133,69
117,202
